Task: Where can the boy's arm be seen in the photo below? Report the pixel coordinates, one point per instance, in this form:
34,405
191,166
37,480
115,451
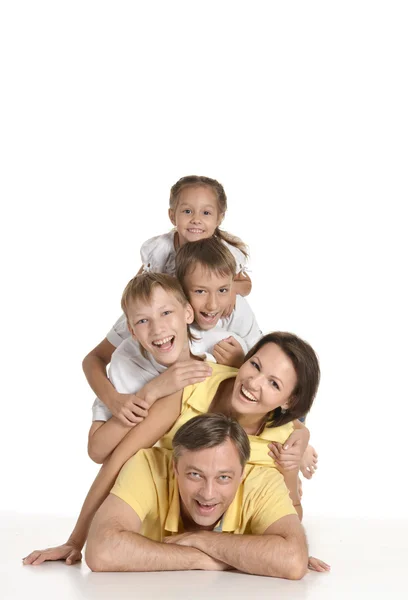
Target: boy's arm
161,418
104,437
125,407
114,544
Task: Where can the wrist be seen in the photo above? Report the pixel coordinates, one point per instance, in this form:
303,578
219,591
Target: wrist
149,393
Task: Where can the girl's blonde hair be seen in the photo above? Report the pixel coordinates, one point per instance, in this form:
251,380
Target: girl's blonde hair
216,187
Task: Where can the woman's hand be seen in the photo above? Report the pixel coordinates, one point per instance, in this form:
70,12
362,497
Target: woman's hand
289,455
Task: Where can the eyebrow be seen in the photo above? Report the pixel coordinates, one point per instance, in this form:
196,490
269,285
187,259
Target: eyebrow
166,306
270,376
222,472
205,206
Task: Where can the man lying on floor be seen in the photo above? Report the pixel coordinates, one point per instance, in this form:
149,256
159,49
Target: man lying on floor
200,507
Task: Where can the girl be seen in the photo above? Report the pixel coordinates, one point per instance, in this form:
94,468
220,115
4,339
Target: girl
197,207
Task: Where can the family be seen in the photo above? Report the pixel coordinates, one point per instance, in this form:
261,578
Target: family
199,417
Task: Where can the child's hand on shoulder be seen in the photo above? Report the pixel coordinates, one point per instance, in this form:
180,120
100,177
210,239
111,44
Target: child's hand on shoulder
229,352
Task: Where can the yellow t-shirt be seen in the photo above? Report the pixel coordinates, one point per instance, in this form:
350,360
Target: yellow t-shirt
197,399
148,484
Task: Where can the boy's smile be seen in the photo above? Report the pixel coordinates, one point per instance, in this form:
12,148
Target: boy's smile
209,294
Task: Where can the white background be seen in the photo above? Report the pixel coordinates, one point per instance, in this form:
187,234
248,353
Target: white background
300,110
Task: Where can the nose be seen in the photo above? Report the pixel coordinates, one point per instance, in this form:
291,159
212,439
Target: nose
255,382
207,491
211,304
156,327
195,218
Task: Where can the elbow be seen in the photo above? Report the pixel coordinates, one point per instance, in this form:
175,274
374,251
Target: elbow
95,453
94,557
297,566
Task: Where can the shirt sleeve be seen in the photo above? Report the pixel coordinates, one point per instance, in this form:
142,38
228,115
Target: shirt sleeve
271,500
100,412
119,332
135,485
240,258
155,252
127,374
243,322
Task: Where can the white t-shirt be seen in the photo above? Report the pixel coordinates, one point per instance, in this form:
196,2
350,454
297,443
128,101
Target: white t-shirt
159,255
241,323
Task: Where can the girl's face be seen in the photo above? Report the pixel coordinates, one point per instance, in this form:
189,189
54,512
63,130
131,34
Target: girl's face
196,215
264,382
160,326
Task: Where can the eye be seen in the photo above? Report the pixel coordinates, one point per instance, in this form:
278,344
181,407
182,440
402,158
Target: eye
223,290
255,364
187,211
167,312
274,384
199,292
224,478
207,213
141,322
194,475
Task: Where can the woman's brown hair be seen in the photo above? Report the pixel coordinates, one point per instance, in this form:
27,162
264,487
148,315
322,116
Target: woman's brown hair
306,365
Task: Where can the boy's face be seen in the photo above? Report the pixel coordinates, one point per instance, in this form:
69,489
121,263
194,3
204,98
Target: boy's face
209,294
160,326
196,215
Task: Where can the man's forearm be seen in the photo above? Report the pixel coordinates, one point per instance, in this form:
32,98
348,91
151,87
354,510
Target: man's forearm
270,555
127,551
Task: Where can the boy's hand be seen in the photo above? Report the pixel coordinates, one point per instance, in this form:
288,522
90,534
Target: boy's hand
228,310
128,409
176,378
68,552
229,352
289,456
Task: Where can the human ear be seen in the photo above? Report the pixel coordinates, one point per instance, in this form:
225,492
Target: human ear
220,219
172,217
189,314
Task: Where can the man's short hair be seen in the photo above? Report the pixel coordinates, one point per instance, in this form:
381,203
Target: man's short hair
209,430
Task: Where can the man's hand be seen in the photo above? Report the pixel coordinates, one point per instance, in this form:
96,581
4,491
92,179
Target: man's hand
69,552
128,408
289,455
176,378
229,352
228,309
315,564
188,539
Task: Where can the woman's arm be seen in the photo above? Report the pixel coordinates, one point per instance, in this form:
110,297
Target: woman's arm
161,418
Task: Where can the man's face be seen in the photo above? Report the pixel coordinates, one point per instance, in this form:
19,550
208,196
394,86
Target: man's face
208,480
196,215
208,293
160,326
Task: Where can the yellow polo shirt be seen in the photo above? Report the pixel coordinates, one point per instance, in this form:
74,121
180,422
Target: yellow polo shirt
148,484
197,399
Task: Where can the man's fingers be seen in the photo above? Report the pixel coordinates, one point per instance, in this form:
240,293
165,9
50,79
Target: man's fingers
28,560
73,557
315,564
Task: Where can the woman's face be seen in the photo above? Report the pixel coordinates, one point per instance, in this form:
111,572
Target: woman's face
264,382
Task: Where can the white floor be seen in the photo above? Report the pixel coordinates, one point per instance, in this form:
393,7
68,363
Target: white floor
369,559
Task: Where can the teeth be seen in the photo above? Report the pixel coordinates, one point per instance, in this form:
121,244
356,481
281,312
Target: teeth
163,341
209,315
196,230
248,394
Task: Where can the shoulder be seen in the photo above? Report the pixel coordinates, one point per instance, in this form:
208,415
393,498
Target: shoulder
155,251
201,394
239,256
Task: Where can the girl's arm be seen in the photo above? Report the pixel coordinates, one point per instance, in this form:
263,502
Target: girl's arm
242,284
161,418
